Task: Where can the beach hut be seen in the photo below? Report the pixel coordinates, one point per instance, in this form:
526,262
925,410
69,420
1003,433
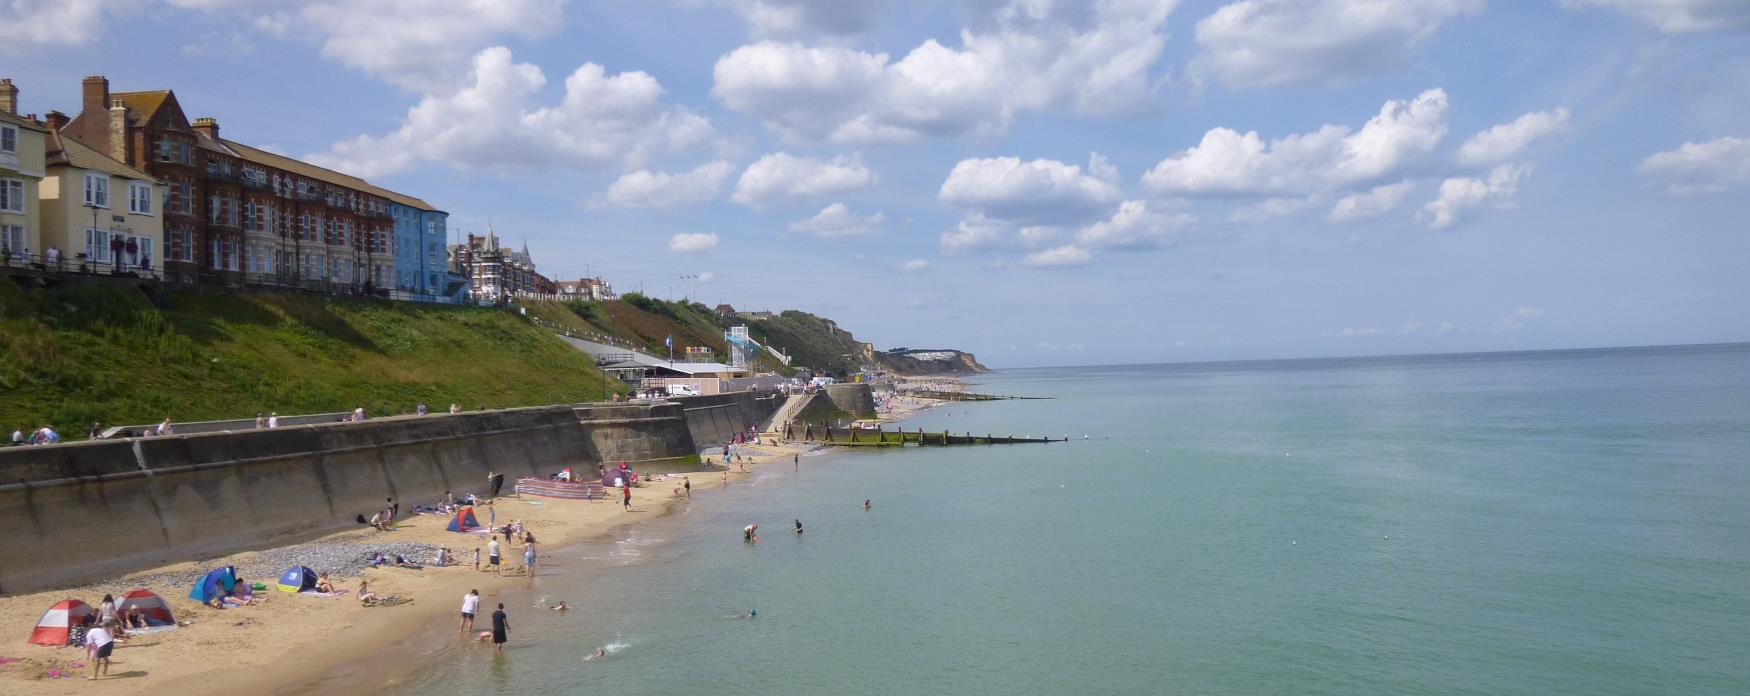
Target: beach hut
463,521
297,579
56,625
217,583
155,609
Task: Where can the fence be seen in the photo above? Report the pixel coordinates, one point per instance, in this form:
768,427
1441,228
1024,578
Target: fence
61,264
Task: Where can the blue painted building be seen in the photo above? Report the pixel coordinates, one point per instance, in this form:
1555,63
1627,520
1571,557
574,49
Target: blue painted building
421,249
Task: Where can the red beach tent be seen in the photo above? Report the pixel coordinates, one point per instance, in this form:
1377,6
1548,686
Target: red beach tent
149,603
56,625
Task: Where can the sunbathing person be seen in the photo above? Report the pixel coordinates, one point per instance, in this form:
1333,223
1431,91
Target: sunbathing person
365,593
323,584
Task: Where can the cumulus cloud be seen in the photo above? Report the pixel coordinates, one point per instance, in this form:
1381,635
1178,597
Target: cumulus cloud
1262,43
1677,16
1459,195
914,265
1714,166
32,24
1041,189
1065,256
648,189
808,17
419,44
494,123
1518,318
1033,56
1376,201
693,241
1229,163
783,176
975,233
1135,225
1351,332
1505,141
836,220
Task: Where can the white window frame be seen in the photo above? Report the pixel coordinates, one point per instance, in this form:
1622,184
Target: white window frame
12,239
97,189
8,139
97,245
139,198
11,195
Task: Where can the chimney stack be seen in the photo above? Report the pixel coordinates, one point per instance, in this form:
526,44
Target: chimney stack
207,126
96,94
56,119
8,96
118,131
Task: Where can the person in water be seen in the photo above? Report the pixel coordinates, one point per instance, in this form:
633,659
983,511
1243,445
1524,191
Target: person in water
799,526
865,503
599,654
750,533
561,606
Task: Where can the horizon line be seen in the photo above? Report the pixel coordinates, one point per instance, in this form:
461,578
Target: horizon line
1381,356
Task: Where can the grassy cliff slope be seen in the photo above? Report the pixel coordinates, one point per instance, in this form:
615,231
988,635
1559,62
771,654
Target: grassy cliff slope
73,355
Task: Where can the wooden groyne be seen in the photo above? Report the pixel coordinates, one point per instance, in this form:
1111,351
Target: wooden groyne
961,396
881,437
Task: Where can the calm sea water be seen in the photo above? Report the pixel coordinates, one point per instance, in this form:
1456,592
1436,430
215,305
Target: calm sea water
1548,523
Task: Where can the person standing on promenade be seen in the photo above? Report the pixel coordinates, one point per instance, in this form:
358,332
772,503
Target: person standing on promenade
164,428
260,420
454,409
470,605
273,420
17,437
421,409
96,429
500,628
492,558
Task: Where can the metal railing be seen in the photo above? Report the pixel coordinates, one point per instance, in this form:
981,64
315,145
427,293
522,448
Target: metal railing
78,265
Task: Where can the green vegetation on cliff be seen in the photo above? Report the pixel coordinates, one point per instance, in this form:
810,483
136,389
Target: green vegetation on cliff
72,355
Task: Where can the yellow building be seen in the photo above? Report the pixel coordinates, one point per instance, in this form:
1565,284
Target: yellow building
98,214
21,172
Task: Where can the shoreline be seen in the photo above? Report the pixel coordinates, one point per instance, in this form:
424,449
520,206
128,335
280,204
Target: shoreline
297,644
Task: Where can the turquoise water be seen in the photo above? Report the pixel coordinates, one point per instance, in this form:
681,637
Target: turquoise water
1550,523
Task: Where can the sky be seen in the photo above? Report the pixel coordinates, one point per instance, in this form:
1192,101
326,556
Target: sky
1037,182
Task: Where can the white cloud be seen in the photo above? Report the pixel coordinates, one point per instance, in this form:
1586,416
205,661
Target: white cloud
1461,194
693,241
974,233
1271,208
1034,56
1261,43
1351,332
1714,166
1505,141
1227,162
781,176
494,124
1135,226
1677,16
1041,189
914,265
31,24
1378,200
707,276
1065,256
648,189
807,17
836,220
1518,318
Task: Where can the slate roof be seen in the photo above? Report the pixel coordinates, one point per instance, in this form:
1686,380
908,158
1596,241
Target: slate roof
67,151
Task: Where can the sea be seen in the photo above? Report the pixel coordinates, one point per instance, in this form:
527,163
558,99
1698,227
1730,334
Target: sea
1561,522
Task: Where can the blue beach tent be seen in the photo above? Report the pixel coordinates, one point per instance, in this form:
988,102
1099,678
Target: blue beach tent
297,579
218,582
463,521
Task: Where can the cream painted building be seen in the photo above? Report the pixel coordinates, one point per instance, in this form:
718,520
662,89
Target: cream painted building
101,215
21,173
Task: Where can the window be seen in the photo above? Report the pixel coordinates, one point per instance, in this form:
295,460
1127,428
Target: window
97,189
140,198
181,199
12,195
12,239
173,151
8,139
97,245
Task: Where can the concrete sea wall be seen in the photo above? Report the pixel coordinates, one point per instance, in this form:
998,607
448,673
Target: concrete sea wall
86,510
714,419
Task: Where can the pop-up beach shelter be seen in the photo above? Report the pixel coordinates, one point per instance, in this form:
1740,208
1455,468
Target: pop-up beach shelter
56,625
463,521
156,610
297,579
218,582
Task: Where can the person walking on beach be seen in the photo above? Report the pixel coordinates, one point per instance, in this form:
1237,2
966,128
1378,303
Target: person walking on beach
529,552
470,605
626,496
687,484
476,558
492,555
98,645
797,460
500,628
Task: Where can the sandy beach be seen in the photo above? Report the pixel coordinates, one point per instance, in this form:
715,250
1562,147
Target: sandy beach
291,643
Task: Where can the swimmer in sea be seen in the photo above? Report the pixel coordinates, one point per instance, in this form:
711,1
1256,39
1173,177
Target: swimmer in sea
561,606
798,526
865,504
599,654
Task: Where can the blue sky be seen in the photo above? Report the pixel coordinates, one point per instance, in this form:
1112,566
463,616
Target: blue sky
1038,182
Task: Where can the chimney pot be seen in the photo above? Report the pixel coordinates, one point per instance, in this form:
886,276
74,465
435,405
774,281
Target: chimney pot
207,126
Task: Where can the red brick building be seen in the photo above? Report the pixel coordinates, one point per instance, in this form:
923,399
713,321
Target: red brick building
239,215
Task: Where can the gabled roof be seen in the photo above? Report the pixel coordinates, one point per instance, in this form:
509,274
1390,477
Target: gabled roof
66,151
205,143
145,105
22,122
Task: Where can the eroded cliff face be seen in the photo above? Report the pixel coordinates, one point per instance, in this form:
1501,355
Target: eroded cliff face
945,361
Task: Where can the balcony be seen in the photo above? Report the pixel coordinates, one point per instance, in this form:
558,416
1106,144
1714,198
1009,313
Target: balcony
254,183
307,195
228,176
